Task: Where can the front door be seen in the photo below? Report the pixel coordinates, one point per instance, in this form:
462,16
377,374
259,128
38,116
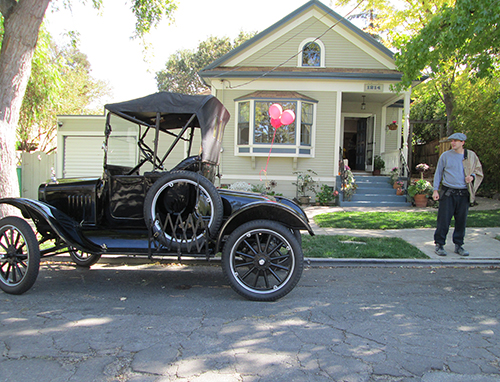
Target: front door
369,143
360,145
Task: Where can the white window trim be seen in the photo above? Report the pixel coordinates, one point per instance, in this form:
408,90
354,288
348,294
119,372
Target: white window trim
265,148
322,56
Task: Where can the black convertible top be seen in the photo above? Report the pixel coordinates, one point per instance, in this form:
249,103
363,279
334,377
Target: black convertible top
172,111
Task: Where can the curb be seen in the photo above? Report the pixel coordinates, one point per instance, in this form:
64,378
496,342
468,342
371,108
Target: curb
308,262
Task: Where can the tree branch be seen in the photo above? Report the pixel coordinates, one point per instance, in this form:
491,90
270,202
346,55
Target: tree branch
7,7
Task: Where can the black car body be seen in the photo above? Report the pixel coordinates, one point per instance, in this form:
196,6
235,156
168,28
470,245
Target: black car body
152,210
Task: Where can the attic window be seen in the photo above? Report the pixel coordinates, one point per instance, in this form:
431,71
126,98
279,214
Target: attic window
312,53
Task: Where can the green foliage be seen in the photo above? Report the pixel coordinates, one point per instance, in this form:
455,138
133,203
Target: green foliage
378,163
400,219
421,186
478,116
60,83
181,70
351,247
326,195
305,182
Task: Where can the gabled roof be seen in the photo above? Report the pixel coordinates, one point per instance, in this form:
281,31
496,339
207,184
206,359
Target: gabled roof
313,3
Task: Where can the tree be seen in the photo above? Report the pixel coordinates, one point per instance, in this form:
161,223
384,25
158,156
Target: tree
460,39
387,19
181,70
60,83
22,20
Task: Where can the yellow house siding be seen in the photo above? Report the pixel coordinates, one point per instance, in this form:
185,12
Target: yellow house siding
340,52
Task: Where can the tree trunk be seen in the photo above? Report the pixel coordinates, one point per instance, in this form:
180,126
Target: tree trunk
21,26
449,101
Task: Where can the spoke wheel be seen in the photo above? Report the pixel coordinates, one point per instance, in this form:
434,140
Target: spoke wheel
83,259
262,260
182,208
19,255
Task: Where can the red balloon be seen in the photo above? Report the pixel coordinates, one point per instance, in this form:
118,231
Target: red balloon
276,123
275,111
287,117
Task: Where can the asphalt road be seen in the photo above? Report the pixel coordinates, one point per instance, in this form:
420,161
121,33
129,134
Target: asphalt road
166,323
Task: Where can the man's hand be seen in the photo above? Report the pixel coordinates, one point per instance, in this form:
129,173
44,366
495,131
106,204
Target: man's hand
469,179
435,195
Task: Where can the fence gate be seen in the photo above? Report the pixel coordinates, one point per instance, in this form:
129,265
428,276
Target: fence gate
36,168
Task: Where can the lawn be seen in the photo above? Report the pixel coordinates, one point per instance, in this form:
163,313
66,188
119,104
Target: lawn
349,247
400,219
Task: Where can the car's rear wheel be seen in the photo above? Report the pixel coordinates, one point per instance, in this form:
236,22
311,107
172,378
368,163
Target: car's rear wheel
83,259
262,260
19,255
182,208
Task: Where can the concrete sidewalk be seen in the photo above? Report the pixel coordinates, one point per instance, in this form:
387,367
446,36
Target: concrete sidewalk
480,242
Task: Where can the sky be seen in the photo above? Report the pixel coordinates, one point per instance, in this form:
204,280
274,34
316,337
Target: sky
105,36
117,58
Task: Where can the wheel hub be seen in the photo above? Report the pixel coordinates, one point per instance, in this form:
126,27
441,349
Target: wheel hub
261,262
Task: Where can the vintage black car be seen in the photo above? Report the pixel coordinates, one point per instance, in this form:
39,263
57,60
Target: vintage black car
155,209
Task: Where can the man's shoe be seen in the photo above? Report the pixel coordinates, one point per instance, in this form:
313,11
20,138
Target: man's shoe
440,251
460,250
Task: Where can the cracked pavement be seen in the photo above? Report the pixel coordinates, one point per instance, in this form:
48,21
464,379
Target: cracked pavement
158,322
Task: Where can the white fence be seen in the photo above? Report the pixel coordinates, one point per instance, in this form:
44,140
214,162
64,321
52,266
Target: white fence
36,168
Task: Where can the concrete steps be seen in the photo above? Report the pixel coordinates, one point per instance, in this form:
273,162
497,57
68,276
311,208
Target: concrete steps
375,191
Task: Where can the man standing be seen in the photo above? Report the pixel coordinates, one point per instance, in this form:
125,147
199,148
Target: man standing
459,172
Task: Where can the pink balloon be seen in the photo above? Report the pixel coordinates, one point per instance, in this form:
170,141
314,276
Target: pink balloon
275,111
287,117
276,123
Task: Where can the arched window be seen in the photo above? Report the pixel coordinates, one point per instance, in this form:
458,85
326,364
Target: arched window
311,54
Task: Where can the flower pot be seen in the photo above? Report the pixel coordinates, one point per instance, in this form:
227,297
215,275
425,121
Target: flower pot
376,172
304,199
392,126
399,191
396,185
420,200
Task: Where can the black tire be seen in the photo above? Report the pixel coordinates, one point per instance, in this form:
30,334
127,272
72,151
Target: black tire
83,259
262,260
188,198
19,255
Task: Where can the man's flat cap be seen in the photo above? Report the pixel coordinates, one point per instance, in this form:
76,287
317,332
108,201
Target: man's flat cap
458,136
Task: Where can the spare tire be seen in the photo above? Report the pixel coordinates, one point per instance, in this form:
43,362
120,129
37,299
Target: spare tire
182,208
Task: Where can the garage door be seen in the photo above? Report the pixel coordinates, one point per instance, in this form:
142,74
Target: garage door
84,156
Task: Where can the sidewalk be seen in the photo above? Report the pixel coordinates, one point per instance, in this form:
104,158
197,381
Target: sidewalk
480,242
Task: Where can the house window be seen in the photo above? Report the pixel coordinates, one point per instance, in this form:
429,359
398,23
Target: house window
311,53
243,122
256,136
264,132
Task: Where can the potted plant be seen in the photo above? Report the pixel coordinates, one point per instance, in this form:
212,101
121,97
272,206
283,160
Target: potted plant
419,191
421,168
305,182
378,165
326,195
394,175
398,184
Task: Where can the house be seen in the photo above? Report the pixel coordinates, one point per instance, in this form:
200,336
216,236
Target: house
337,80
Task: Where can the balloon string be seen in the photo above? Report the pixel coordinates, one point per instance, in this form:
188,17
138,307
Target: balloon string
269,155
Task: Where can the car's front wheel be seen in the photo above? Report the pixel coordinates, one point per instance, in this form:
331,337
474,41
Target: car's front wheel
262,260
19,255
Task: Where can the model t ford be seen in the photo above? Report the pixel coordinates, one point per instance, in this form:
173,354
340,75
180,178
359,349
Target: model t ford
155,209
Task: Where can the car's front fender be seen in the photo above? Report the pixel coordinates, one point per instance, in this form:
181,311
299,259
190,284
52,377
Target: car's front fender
49,220
267,210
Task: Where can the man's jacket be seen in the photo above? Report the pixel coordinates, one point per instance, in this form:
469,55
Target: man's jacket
472,166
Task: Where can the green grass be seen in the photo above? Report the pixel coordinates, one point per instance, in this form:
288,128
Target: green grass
349,247
400,219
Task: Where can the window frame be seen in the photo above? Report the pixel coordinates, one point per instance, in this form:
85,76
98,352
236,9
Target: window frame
322,53
296,150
